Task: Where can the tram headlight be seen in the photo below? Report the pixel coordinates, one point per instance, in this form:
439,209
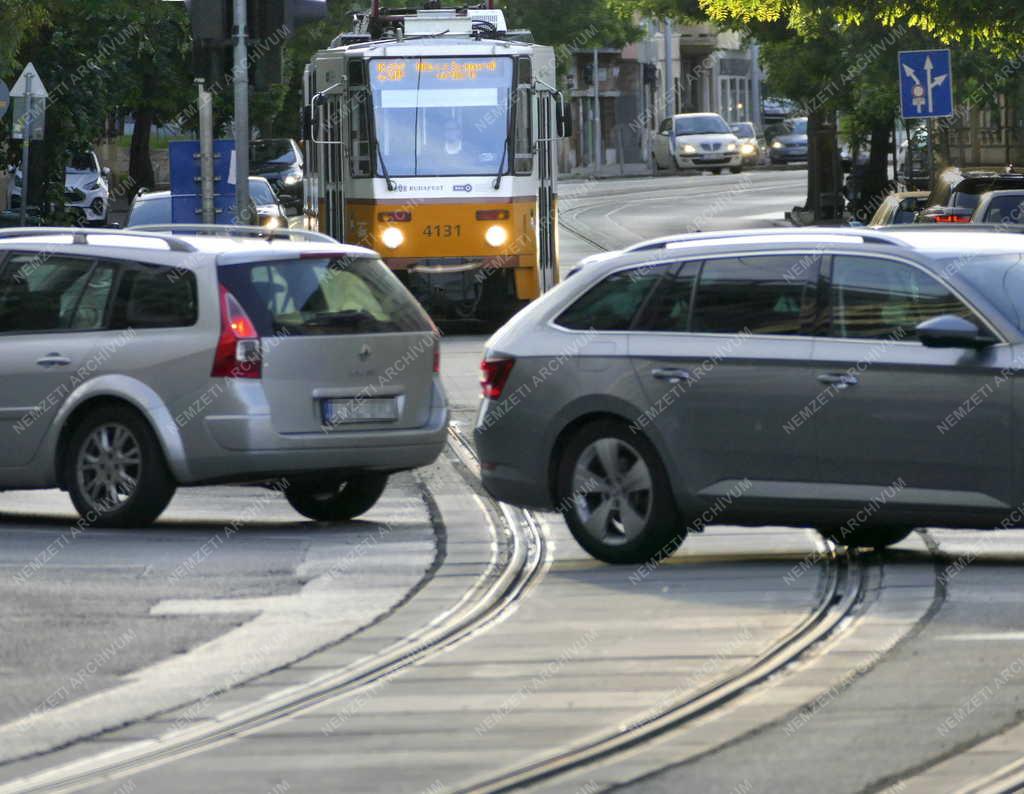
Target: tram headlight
496,236
392,237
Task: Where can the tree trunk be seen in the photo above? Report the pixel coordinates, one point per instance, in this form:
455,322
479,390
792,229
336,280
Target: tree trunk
875,184
824,177
140,166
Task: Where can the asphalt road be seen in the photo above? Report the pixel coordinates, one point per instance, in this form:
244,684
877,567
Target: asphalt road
112,639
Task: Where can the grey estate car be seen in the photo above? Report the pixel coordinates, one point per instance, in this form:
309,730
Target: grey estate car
136,361
859,382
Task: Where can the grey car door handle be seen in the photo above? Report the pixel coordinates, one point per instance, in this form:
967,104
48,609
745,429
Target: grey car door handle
841,380
671,375
53,360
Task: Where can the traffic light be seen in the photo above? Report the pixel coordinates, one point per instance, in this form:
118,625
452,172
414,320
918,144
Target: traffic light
211,38
269,23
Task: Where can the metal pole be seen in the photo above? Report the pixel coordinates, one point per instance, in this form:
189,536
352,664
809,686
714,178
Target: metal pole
597,116
241,115
26,132
206,184
931,162
670,87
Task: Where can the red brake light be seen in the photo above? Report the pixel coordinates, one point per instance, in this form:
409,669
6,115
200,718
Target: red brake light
952,218
437,357
238,354
494,376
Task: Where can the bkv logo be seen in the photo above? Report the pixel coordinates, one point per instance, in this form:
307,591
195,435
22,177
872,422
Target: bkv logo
463,188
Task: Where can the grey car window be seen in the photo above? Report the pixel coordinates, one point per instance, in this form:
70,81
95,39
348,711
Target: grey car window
881,299
150,296
759,294
43,293
669,306
611,304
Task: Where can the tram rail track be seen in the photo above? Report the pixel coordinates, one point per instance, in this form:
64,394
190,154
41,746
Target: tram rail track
513,572
842,590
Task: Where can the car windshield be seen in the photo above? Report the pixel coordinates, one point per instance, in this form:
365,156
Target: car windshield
82,163
700,125
744,129
260,192
999,277
147,211
264,153
441,116
309,297
796,126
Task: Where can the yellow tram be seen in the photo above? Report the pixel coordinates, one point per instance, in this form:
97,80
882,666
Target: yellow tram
431,137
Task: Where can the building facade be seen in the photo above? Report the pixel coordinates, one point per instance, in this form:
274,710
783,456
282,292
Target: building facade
620,96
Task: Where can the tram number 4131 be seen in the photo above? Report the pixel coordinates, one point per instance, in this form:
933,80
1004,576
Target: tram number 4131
443,230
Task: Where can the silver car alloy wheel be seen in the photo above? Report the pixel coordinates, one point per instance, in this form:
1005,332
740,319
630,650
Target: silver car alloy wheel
108,466
612,491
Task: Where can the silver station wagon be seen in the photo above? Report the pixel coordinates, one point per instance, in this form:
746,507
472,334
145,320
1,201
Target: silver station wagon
862,383
133,362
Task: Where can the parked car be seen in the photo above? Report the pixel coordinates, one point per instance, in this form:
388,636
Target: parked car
1000,207
280,161
899,208
86,188
801,377
135,362
697,140
155,206
752,145
788,144
956,193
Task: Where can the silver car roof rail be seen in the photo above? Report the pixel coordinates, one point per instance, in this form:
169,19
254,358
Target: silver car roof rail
809,234
226,230
80,236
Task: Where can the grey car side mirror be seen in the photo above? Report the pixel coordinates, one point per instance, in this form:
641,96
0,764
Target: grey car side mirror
949,330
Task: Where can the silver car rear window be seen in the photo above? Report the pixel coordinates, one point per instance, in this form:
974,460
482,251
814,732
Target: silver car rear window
345,295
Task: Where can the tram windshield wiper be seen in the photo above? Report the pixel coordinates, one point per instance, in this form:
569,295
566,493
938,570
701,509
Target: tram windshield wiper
504,153
384,171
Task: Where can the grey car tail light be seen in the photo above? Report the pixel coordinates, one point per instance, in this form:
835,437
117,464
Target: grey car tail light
238,354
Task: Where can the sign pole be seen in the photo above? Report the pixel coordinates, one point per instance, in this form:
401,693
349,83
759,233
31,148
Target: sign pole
241,116
26,134
206,181
931,161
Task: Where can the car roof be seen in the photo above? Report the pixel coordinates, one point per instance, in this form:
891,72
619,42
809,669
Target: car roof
936,243
228,245
164,194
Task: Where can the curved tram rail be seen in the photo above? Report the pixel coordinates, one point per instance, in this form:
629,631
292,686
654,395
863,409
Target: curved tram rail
521,569
513,572
843,589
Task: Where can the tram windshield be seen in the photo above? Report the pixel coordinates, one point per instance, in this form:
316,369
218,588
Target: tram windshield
441,116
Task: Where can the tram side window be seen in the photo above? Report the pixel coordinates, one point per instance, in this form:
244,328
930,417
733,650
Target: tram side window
524,98
359,121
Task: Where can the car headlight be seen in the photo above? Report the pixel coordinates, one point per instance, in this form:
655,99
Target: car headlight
747,148
273,222
392,237
292,179
496,236
730,147
777,144
93,185
689,148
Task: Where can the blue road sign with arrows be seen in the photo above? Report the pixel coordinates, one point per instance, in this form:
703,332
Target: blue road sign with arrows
926,84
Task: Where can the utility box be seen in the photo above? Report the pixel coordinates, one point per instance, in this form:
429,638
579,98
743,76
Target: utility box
5,191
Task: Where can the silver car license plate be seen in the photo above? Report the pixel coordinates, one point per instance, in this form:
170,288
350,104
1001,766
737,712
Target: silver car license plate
352,410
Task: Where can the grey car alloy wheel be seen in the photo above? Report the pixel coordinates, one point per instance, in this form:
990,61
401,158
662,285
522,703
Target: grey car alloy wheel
612,491
108,466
